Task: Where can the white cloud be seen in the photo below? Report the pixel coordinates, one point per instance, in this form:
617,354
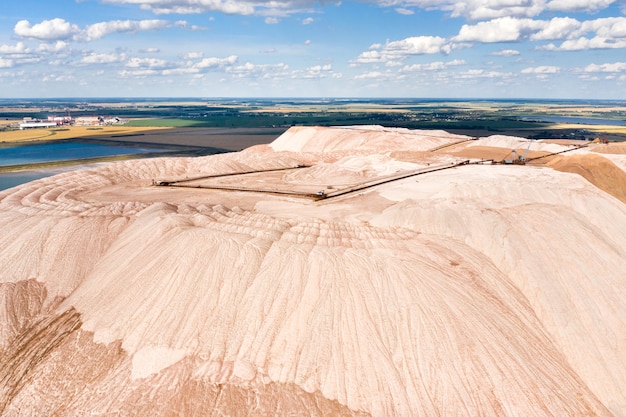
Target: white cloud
102,29
58,46
151,63
6,63
475,9
18,54
608,27
137,73
417,45
432,66
506,52
505,29
47,30
193,55
607,33
316,71
404,11
217,62
482,73
59,29
307,21
95,58
271,20
608,67
579,5
586,43
180,71
372,75
492,9
58,78
276,8
18,48
557,28
258,71
543,69
398,50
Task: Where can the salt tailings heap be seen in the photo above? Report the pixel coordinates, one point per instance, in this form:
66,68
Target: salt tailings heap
337,271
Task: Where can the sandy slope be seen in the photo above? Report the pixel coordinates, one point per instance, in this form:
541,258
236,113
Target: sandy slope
479,290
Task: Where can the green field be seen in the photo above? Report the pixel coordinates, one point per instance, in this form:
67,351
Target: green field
477,118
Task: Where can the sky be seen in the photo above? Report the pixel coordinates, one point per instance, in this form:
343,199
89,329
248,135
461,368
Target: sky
565,49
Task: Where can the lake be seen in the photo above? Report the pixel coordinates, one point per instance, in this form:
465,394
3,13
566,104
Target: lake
11,154
12,179
575,120
23,154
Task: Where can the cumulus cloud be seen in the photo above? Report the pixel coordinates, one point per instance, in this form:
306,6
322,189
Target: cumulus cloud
399,50
59,29
307,21
217,62
432,66
482,73
557,28
13,55
258,71
99,59
102,29
477,10
584,43
316,71
140,73
373,75
607,33
144,67
474,9
543,69
6,63
193,55
55,29
504,29
271,20
55,47
147,63
506,52
18,48
404,11
579,5
608,67
276,8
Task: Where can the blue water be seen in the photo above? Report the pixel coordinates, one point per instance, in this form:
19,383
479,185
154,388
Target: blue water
12,179
64,151
576,120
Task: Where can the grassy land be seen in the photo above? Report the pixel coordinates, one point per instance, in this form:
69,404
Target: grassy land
68,133
474,118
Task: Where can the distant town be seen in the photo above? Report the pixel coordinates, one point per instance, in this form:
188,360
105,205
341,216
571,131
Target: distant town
59,121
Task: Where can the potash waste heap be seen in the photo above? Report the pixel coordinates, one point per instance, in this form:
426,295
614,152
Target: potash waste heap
426,279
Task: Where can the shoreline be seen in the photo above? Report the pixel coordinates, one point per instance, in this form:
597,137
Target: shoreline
181,142
231,139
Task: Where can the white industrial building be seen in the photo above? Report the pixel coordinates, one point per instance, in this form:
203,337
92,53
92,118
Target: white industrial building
35,125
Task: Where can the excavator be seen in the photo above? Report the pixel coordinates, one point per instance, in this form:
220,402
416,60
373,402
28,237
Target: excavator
601,140
517,159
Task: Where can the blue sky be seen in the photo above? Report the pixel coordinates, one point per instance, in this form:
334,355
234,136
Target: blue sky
304,48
